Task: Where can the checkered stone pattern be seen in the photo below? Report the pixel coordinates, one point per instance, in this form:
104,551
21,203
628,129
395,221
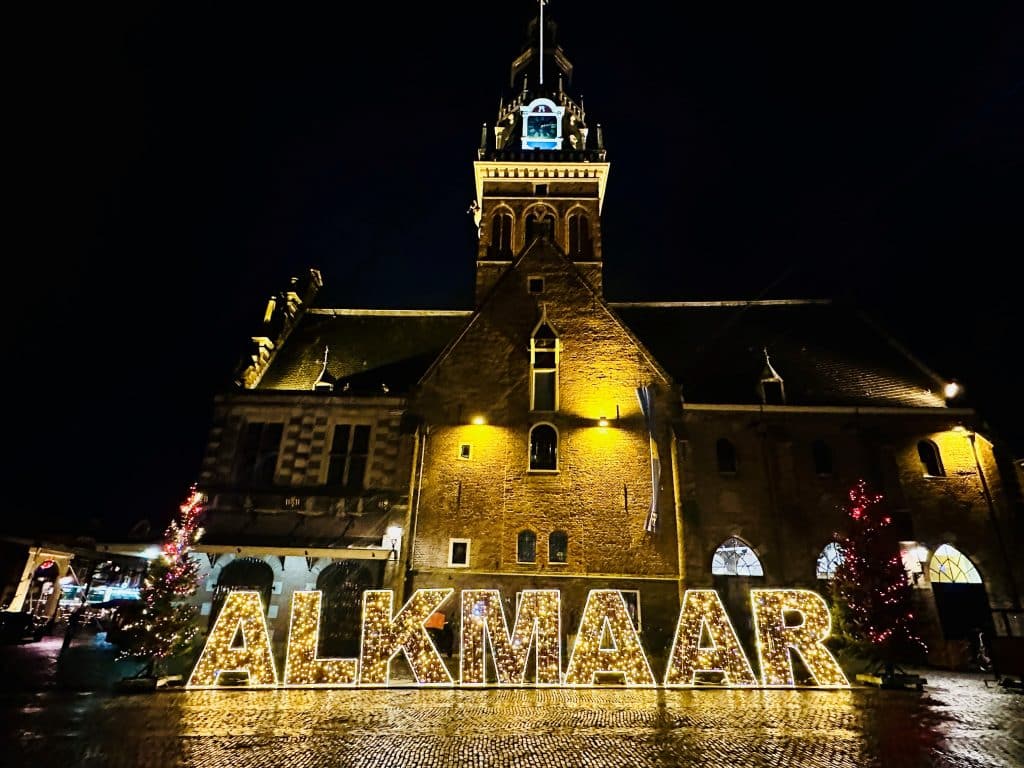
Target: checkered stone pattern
957,722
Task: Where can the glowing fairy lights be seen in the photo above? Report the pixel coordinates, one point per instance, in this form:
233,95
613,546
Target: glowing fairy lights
537,626
607,643
385,636
776,638
242,616
302,667
702,608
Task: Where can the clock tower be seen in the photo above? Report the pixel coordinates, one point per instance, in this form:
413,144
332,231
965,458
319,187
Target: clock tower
540,170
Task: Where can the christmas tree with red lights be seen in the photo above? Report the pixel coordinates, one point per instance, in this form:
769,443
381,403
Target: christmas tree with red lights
872,594
163,623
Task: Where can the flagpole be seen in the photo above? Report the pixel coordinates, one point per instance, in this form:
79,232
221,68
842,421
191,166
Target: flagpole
542,42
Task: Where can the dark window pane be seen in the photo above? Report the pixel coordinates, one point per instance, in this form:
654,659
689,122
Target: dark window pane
543,447
361,440
544,391
459,552
929,455
339,445
356,471
527,547
558,547
726,456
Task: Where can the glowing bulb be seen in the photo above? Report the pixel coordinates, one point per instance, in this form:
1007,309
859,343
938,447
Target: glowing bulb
479,420
602,422
951,390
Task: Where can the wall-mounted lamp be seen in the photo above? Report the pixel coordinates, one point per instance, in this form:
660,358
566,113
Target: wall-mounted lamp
602,422
479,420
952,390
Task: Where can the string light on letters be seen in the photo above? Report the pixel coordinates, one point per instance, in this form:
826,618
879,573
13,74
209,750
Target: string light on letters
703,608
605,611
301,666
242,613
384,636
775,638
538,625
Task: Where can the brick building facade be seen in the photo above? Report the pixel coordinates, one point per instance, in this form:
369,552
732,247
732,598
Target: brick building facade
547,438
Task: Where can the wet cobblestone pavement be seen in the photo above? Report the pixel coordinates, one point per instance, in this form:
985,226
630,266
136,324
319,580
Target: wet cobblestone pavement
957,721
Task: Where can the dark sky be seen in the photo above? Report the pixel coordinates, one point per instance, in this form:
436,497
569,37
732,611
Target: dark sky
182,161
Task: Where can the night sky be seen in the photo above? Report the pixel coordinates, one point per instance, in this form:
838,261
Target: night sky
182,161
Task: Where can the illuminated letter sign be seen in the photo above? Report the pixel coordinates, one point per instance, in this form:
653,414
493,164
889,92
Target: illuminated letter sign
242,619
775,638
607,643
384,637
537,626
702,608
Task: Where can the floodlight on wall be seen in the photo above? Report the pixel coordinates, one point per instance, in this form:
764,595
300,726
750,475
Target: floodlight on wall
479,420
602,422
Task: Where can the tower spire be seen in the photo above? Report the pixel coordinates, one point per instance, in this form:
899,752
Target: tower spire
542,4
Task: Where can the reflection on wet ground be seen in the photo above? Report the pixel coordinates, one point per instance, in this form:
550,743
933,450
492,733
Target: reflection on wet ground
957,721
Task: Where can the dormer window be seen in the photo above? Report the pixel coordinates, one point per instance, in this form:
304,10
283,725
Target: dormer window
542,124
544,353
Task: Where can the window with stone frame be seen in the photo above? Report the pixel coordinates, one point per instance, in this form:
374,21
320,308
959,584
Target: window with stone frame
258,454
931,459
543,448
501,236
526,547
545,350
348,456
558,547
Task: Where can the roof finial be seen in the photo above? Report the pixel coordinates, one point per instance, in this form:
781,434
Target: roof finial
542,4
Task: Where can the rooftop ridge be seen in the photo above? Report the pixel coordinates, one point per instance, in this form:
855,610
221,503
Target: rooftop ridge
392,312
722,303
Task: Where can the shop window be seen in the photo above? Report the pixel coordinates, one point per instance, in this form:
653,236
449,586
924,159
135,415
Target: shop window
726,455
558,547
349,456
543,448
735,558
259,453
526,547
931,460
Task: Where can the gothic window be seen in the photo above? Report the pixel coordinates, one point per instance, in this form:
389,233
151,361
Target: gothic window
822,457
526,547
260,448
928,452
543,448
558,547
951,566
735,558
726,455
350,453
540,224
501,236
343,583
829,559
544,353
581,247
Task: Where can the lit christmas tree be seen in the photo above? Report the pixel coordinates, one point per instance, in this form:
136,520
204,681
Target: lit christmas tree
163,624
872,594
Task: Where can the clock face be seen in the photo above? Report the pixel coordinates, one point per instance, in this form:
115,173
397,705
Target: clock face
542,127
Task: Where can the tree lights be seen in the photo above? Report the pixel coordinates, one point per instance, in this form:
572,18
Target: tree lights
607,643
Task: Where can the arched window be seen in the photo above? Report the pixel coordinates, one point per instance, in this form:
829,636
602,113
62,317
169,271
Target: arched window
829,559
543,447
243,574
928,452
735,558
726,456
581,247
501,236
540,224
822,457
951,566
526,547
558,547
343,584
